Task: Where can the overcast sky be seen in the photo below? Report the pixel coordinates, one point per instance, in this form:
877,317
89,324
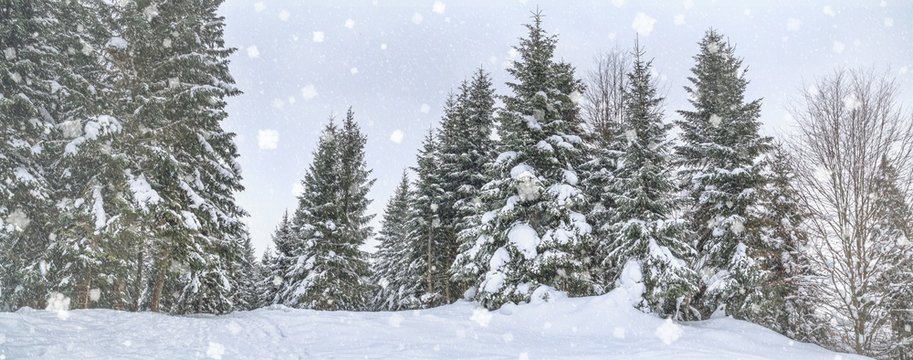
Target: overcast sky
394,62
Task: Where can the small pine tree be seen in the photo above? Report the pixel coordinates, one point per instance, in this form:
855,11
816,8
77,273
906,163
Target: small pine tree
718,154
398,283
647,233
277,264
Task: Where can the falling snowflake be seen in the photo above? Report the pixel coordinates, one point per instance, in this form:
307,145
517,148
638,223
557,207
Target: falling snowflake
417,18
94,295
438,7
150,12
679,19
353,70
350,23
643,24
715,120
827,10
284,15
308,92
425,108
397,136
267,139
252,52
618,3
9,53
888,22
258,6
60,304
18,219
318,36
669,332
850,103
481,317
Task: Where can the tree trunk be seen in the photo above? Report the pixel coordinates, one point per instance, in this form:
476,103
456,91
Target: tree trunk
160,272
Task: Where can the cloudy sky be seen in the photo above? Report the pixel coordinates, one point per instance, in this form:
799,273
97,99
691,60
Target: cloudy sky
394,62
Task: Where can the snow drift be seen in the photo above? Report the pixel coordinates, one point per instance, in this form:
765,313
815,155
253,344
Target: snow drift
603,327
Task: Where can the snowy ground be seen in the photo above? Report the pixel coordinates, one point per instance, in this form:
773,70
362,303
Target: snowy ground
603,327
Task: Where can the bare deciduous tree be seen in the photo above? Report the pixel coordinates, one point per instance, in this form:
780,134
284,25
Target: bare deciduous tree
603,100
852,130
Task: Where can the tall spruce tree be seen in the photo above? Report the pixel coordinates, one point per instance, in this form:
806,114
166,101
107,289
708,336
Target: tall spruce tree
649,239
894,237
531,235
329,271
398,282
173,73
429,254
718,154
465,150
27,69
790,297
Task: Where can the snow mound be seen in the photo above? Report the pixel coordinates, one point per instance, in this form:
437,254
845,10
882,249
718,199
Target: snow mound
553,327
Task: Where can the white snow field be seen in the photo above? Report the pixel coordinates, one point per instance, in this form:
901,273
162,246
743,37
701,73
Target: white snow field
601,327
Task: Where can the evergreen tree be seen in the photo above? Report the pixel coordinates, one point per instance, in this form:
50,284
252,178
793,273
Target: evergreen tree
354,222
429,253
172,71
329,270
604,107
277,264
893,261
647,234
27,69
790,297
465,149
399,284
531,235
719,148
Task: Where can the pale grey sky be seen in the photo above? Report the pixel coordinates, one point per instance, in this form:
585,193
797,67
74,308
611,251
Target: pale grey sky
394,62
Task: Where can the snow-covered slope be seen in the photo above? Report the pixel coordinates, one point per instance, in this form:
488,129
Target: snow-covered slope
603,327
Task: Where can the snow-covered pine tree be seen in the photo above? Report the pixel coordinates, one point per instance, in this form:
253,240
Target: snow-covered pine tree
429,253
94,245
28,66
173,69
790,296
354,221
895,264
398,283
531,235
604,106
329,269
649,239
465,149
267,287
284,241
718,154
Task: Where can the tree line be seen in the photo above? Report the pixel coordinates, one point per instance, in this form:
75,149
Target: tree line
118,185
575,185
